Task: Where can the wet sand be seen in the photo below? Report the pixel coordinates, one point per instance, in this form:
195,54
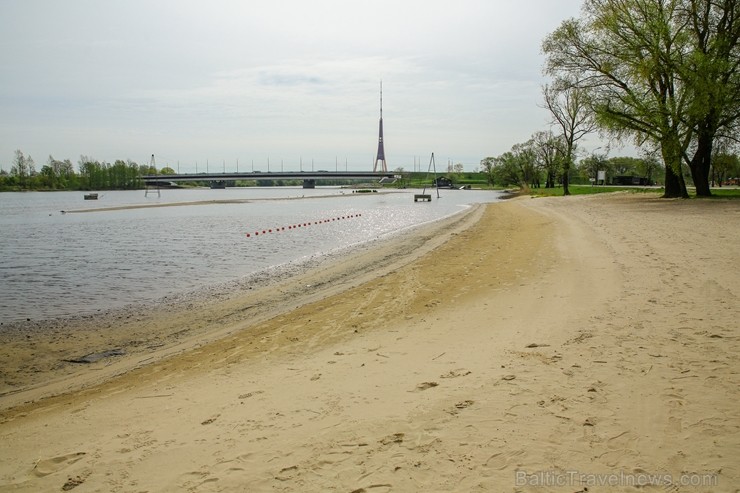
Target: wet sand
536,345
37,357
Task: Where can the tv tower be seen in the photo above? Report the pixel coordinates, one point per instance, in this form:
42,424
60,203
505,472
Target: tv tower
381,151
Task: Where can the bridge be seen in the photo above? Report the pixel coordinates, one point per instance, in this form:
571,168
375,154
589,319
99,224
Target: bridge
309,177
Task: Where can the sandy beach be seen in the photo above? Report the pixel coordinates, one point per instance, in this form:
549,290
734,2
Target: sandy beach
569,344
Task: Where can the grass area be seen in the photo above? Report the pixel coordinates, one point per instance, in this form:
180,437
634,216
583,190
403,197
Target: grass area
724,193
588,190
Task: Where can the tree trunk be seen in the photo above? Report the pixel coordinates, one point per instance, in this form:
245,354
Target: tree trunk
675,186
550,182
701,163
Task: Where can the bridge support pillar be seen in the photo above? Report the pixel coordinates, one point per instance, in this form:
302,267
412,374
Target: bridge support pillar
309,183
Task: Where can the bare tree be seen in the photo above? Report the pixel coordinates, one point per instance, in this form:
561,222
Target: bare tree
572,117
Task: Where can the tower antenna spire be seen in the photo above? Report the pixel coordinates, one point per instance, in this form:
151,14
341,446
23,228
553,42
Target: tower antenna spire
381,99
381,150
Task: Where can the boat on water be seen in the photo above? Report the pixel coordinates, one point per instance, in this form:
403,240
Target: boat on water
91,196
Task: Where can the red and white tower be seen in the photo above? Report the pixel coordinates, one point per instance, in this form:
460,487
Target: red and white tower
381,150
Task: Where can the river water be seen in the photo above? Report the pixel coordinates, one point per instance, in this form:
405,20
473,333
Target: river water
60,264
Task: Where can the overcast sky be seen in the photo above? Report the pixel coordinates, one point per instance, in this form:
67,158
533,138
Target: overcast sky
219,81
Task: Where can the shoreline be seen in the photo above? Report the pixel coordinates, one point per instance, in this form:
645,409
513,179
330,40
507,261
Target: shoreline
595,334
42,352
76,283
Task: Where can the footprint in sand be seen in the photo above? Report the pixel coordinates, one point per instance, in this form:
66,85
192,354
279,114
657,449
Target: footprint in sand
74,482
49,466
250,394
424,386
390,439
464,404
502,460
287,473
460,372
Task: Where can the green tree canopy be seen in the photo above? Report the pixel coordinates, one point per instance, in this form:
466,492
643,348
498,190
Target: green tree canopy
663,72
622,54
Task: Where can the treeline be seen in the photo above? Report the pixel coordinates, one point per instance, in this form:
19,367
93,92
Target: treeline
90,174
522,167
540,162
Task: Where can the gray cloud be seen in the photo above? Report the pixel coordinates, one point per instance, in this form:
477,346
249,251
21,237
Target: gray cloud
231,80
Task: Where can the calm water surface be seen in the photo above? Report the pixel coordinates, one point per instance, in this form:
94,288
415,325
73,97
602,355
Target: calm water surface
55,264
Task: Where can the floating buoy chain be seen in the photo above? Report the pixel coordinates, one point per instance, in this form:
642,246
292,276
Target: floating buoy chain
301,225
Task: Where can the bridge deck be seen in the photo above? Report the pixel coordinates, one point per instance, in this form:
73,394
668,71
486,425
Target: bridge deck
293,175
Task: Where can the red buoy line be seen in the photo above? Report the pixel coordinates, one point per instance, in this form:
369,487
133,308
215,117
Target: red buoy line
301,225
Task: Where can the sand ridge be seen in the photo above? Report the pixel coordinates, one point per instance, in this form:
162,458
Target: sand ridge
556,339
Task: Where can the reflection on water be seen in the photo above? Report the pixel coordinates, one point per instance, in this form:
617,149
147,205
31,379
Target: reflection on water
56,265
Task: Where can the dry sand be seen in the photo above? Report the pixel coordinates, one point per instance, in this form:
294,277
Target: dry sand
554,344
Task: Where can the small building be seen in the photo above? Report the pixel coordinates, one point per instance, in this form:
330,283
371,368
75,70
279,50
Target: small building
442,182
629,180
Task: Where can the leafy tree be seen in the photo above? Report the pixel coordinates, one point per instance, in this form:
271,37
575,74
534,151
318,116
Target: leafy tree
58,175
506,169
167,171
663,72
6,180
623,54
93,174
525,159
48,178
548,150
713,71
117,175
488,167
23,168
145,169
132,174
624,166
649,167
591,165
724,166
